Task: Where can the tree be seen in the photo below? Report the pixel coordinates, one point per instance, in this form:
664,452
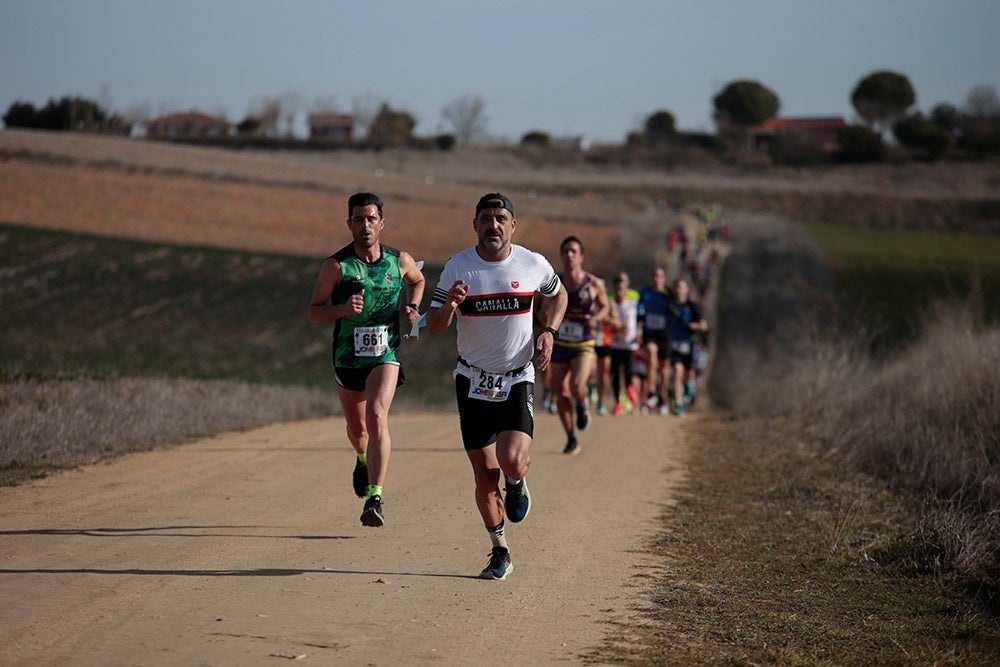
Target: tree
743,104
982,102
858,143
364,108
249,126
883,97
946,116
537,138
466,117
917,132
980,124
391,127
268,111
21,114
290,103
660,127
66,113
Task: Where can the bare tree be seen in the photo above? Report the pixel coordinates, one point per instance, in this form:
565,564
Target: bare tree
291,103
365,108
466,117
324,104
268,111
982,101
137,114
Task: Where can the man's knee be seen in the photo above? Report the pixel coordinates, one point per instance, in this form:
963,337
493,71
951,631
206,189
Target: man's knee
357,432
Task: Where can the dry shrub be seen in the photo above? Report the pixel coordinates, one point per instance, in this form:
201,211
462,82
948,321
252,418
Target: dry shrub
925,421
66,423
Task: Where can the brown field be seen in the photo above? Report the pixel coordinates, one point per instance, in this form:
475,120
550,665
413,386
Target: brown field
292,203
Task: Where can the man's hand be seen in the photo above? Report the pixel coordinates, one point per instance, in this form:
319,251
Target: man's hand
412,315
456,295
356,303
544,346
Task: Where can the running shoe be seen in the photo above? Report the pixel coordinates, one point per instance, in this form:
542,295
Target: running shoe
664,409
372,516
582,416
652,400
617,410
517,501
601,408
679,410
360,479
572,446
553,407
633,395
499,566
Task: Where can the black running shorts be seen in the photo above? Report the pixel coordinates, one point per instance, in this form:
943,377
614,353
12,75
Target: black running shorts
356,378
662,340
685,360
482,421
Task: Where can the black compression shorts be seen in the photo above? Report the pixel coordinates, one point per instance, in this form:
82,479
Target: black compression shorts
482,421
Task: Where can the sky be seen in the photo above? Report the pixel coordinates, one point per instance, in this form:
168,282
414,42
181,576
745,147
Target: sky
566,67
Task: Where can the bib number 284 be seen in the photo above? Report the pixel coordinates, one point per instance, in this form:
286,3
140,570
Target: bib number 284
486,386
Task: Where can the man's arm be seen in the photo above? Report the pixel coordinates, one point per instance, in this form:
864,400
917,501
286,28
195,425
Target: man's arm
413,277
604,310
438,319
555,308
321,311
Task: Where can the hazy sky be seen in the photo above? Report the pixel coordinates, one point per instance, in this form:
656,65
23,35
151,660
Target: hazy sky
566,67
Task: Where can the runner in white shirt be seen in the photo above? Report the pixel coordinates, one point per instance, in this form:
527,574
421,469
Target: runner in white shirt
491,287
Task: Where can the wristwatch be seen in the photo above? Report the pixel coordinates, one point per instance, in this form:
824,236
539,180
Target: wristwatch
555,334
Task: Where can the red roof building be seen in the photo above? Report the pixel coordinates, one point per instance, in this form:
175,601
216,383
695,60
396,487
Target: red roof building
189,125
822,130
331,126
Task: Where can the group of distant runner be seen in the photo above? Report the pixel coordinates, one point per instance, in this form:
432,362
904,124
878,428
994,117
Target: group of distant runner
512,312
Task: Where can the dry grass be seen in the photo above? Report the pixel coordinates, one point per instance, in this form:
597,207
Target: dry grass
924,422
776,557
47,425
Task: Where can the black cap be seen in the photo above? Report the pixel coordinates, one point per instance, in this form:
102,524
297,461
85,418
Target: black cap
494,200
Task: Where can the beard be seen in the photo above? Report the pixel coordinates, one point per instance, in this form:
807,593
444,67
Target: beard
493,243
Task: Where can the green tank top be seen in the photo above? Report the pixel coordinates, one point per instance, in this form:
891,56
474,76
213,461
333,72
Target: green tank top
371,337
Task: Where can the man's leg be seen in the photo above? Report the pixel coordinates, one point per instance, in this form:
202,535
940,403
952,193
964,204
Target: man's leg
603,381
562,395
486,470
380,389
352,403
652,362
580,368
679,376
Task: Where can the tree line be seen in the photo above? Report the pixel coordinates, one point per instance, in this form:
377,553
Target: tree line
882,100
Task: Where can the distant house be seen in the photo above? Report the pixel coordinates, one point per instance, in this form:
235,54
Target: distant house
578,142
187,125
822,130
331,126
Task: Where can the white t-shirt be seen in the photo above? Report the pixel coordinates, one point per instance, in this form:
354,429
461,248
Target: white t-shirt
495,326
628,312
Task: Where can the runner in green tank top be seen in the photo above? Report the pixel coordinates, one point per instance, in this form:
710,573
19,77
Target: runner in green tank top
372,336
359,288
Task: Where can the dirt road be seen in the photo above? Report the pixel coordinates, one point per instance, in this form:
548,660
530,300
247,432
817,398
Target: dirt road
246,549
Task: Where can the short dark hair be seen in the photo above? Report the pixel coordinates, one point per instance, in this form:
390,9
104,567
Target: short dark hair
363,199
571,239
